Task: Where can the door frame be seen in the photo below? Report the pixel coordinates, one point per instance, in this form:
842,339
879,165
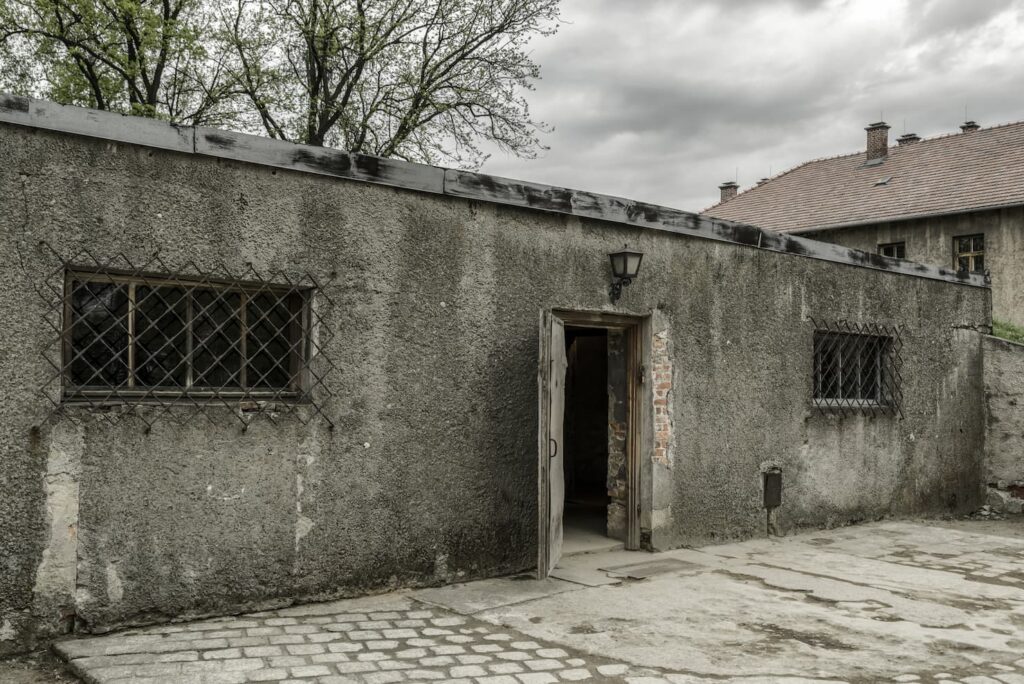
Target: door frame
639,438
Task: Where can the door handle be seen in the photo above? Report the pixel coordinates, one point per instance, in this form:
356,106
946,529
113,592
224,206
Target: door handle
553,444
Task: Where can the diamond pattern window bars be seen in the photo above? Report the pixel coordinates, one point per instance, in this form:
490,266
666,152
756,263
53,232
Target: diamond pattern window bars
857,368
173,338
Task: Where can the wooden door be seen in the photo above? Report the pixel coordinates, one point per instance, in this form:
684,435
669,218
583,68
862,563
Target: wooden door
551,479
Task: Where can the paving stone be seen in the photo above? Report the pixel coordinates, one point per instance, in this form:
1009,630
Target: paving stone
278,621
251,641
222,653
395,665
498,636
448,621
536,678
576,662
422,642
300,629
459,639
382,644
330,658
467,671
525,645
486,648
344,647
514,655
305,649
287,661
576,675
383,677
1011,678
400,633
386,616
267,675
436,631
436,661
264,631
447,650
410,623
284,639
262,651
474,658
345,668
372,656
612,670
310,671
421,675
364,635
374,624
497,679
412,653
420,614
543,664
552,653
505,668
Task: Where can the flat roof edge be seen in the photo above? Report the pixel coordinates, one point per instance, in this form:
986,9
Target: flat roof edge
263,151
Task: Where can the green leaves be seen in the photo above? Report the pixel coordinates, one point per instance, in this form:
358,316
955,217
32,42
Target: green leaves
424,80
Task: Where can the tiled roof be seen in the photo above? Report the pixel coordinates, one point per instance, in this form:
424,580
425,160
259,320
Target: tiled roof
949,174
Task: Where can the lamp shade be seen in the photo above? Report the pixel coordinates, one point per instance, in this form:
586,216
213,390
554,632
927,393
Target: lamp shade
626,263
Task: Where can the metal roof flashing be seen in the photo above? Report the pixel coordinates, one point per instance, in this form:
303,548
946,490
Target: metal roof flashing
258,150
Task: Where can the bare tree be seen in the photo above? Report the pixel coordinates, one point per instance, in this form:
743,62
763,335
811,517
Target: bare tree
142,57
423,80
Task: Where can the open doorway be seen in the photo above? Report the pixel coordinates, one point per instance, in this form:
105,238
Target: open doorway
590,515
591,428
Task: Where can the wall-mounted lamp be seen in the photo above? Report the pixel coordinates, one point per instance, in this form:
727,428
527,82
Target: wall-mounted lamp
625,267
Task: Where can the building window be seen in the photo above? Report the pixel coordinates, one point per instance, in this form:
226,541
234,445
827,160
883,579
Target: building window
969,253
856,367
896,250
141,337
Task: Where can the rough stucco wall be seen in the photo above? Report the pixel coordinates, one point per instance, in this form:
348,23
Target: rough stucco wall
930,241
430,473
1004,391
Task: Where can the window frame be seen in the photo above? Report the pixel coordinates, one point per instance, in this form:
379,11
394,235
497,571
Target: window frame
836,338
972,255
901,245
299,352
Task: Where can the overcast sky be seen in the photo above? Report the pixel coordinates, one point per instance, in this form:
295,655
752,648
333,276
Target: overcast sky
662,100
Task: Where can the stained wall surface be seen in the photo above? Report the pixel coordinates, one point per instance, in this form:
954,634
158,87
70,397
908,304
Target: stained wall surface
429,474
930,241
1004,390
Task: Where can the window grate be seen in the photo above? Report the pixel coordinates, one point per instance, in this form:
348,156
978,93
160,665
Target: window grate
182,341
857,368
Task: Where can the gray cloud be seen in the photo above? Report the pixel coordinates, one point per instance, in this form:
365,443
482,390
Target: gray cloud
662,100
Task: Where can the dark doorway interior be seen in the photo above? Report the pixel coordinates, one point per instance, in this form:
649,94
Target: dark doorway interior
585,522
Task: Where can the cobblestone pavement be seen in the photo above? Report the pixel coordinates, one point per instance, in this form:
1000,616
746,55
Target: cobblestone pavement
886,602
369,641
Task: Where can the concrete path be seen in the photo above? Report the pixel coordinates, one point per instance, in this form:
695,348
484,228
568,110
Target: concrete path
903,602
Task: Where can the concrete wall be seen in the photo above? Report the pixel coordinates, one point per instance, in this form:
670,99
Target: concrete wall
430,473
1004,389
930,241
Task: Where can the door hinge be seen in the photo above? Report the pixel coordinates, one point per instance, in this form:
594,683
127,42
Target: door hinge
643,373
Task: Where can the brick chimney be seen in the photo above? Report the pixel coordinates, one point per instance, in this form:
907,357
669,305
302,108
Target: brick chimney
908,138
878,140
729,190
969,126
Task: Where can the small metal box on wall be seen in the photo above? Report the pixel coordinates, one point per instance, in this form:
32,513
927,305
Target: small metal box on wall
773,488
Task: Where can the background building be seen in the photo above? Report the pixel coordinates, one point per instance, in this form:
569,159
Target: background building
955,201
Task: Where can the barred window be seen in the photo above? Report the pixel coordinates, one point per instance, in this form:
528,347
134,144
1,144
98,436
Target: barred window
136,336
897,250
856,369
969,253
